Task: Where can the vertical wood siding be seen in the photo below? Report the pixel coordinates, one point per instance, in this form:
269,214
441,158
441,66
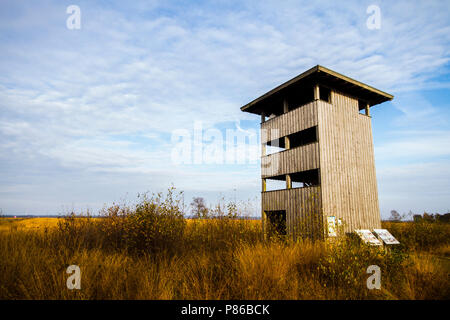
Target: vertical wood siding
290,122
303,209
289,161
347,167
345,158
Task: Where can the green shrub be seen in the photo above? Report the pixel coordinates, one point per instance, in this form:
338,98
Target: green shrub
345,264
155,225
421,235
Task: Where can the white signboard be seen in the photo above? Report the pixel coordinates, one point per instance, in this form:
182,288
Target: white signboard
386,236
332,226
368,237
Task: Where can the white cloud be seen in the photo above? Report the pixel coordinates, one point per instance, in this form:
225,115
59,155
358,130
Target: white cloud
65,95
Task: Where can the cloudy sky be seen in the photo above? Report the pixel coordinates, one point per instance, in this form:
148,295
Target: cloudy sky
88,116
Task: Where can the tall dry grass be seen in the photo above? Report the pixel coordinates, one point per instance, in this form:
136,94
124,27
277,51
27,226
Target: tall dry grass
149,251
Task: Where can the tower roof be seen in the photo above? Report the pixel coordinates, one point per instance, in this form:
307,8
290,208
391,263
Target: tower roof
319,75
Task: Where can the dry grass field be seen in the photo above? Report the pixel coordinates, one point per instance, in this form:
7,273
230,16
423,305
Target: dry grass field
14,224
151,252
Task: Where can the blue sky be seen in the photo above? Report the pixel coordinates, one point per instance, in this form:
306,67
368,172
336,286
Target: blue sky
86,116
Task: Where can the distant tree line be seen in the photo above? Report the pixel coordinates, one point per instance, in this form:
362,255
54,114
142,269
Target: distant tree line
425,217
200,210
432,217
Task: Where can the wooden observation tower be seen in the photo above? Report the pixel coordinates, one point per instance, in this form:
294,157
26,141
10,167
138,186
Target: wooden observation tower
319,124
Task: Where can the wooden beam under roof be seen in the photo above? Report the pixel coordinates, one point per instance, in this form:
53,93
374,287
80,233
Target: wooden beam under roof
315,75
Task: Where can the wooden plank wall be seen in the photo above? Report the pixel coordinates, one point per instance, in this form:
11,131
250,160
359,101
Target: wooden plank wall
302,205
347,165
303,209
289,161
290,122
